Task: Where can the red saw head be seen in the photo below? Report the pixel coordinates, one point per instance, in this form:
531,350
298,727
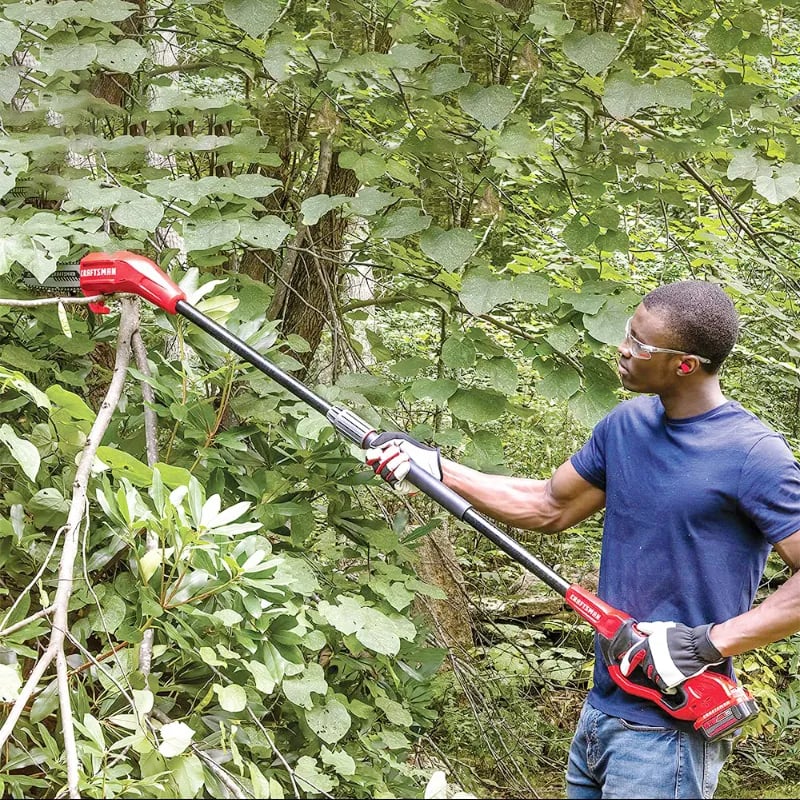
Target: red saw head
111,273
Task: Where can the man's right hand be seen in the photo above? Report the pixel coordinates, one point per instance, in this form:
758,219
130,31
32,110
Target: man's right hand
391,454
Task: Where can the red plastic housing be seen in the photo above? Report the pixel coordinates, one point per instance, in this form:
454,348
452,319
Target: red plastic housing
111,273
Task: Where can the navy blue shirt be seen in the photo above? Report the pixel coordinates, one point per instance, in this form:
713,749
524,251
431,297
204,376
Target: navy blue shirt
693,507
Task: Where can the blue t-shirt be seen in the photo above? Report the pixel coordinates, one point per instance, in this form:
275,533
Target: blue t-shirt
693,507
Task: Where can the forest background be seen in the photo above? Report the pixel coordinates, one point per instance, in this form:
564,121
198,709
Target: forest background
437,213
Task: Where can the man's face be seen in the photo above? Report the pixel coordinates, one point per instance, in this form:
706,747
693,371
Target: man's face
658,373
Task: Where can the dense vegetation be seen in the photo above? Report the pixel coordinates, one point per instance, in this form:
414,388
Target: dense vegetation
438,213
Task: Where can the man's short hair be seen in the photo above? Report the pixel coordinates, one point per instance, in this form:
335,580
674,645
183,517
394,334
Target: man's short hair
700,318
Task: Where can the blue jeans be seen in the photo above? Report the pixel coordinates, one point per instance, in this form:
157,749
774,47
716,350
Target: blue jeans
612,758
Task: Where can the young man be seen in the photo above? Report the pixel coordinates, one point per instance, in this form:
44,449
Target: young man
696,492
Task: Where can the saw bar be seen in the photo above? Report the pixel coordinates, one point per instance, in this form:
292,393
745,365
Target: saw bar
66,280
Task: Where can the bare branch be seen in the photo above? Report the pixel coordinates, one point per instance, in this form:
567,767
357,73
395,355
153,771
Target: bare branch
77,512
51,301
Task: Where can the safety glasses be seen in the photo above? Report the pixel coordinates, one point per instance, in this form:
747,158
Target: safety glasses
645,351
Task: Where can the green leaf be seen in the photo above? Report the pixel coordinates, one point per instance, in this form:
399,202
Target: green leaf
377,633
437,390
409,56
500,373
125,55
231,698
312,782
482,290
70,57
402,222
330,722
367,166
744,164
266,233
9,37
593,52
779,188
24,453
299,688
562,338
264,679
559,384
484,452
124,465
477,405
591,405
369,201
447,78
531,289
254,17
624,97
674,93
489,105
145,214
395,712
206,230
188,773
721,39
9,83
340,760
458,351
550,17
451,248
578,236
313,208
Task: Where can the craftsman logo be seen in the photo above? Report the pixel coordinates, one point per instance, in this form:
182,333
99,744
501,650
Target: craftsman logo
99,272
577,602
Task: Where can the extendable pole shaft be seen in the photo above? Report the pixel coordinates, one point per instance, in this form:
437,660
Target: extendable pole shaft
363,434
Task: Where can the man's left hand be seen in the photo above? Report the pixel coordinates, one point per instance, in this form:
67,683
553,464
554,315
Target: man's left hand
671,653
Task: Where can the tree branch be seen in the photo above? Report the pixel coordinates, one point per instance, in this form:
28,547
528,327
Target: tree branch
77,512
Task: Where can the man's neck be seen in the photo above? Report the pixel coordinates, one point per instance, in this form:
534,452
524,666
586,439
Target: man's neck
692,402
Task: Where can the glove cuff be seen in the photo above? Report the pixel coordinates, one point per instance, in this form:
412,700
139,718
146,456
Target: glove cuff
706,649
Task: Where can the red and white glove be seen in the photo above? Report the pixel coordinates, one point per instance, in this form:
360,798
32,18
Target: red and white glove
671,653
391,454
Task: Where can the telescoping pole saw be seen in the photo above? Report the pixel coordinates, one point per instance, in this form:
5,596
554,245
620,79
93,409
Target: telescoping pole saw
713,703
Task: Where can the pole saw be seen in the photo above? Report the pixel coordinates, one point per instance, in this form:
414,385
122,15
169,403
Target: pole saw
713,703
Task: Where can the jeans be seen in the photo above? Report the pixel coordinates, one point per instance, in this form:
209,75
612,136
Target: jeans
612,758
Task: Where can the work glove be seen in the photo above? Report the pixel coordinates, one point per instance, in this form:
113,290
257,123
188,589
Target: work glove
671,653
391,454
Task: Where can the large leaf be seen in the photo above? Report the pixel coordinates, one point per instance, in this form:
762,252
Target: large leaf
623,97
9,37
330,721
24,453
206,230
266,233
402,222
144,213
451,248
594,52
489,105
252,16
123,56
608,324
477,405
482,290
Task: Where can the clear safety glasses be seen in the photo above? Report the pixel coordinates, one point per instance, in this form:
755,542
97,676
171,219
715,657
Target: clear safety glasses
645,351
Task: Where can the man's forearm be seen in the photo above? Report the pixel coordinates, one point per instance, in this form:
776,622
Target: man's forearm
521,502
774,619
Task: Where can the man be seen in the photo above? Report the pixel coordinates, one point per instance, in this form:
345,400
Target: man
696,492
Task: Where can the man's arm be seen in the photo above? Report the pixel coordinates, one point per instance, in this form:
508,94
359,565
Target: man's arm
776,618
545,505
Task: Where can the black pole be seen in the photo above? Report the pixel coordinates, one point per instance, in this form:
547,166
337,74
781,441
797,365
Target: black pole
361,432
